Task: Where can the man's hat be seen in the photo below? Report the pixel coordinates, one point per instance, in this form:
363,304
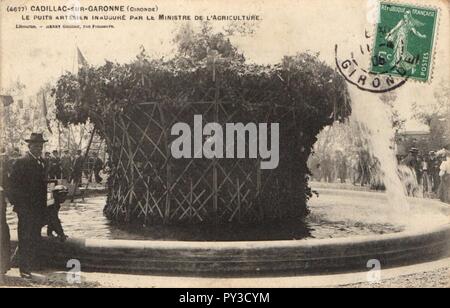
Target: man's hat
414,150
36,138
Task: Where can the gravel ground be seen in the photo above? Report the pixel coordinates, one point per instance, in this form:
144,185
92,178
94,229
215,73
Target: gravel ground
21,283
432,279
12,280
439,278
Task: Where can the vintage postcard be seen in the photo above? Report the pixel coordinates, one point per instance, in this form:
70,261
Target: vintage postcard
193,145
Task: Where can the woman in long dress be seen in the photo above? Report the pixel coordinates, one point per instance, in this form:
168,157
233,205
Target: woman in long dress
444,188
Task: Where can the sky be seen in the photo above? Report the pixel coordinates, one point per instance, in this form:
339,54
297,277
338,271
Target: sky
37,56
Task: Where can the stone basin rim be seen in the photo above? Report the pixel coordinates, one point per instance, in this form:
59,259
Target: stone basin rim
251,258
208,245
307,256
352,240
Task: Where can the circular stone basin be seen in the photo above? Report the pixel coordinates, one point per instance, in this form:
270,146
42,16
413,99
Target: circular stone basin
334,214
345,230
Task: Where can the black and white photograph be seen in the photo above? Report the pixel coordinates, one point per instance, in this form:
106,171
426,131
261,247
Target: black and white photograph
212,146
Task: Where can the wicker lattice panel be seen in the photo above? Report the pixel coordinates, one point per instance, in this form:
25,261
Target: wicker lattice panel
148,185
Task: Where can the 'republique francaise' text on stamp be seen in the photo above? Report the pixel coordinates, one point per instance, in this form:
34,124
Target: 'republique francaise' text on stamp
404,43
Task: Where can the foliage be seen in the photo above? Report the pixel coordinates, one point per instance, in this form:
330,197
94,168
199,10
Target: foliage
25,116
208,68
301,81
198,46
436,115
389,98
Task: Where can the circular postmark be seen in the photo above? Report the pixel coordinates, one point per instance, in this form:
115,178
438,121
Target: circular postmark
353,70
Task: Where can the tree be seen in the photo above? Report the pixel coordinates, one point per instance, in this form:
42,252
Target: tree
26,115
16,119
436,115
198,45
389,98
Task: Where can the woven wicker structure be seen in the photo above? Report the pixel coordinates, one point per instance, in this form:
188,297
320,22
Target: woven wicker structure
149,186
134,107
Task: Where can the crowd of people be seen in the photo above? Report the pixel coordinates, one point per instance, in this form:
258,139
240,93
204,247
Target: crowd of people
428,171
355,168
72,167
25,178
68,167
432,172
24,184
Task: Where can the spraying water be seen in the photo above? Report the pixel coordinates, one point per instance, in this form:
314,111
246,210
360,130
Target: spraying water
371,112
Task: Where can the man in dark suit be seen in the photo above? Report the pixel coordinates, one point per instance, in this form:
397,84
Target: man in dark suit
434,165
46,161
97,167
55,166
28,194
66,165
77,169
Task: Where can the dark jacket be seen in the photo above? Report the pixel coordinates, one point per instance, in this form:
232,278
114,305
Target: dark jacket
66,163
55,165
28,185
6,172
98,164
434,165
78,164
412,162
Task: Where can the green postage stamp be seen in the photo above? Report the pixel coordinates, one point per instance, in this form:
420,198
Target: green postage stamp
404,42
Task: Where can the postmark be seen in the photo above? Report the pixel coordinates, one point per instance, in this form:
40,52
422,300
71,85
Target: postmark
353,64
356,74
404,42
